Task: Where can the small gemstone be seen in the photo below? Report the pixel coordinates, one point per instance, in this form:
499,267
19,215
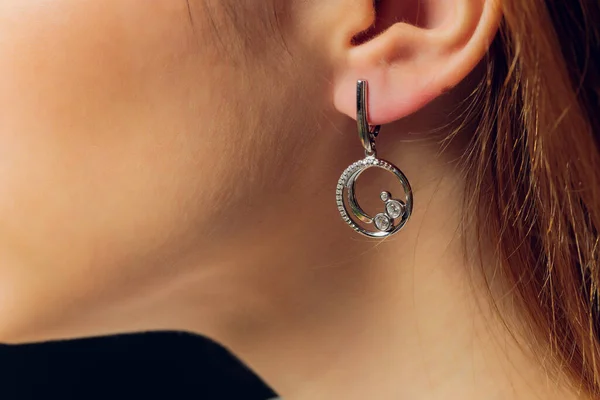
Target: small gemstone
382,222
394,209
385,196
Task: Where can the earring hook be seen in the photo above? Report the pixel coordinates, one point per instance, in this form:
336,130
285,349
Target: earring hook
367,133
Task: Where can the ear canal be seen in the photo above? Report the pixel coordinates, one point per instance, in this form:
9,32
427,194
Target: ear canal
371,31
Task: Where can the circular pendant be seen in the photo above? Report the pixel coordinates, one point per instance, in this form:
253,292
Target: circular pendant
395,212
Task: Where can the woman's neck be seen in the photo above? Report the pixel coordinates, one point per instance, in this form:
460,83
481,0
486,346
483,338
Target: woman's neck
341,317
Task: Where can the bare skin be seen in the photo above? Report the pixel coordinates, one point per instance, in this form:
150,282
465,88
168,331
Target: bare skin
166,165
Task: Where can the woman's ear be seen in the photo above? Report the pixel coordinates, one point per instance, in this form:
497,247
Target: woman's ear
415,51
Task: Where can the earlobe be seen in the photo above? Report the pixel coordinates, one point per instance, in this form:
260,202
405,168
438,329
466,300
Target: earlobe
408,64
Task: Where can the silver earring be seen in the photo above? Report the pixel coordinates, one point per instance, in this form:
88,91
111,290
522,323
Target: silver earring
395,212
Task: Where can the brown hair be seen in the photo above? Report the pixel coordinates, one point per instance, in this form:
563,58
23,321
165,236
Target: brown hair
533,169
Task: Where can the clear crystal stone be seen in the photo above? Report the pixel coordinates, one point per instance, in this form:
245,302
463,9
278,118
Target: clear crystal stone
382,222
394,208
385,196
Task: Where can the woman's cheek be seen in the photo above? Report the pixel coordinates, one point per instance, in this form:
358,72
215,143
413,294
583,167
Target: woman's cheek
69,62
79,93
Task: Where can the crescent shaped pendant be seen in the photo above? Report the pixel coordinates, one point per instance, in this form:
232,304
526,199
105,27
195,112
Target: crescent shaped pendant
396,212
